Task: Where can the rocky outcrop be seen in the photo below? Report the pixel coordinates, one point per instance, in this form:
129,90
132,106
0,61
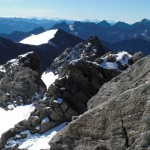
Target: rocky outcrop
118,115
79,80
88,50
65,99
20,81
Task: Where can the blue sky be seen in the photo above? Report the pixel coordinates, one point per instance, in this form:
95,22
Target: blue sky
123,10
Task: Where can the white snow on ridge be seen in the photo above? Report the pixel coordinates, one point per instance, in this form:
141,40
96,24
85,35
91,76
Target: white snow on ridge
122,57
2,69
24,55
41,38
48,78
58,100
45,120
15,62
11,117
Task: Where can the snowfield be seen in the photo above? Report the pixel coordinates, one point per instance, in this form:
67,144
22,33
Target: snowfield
36,141
119,57
42,38
48,78
11,117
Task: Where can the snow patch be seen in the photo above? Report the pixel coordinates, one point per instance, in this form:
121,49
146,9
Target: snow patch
48,78
36,141
41,38
58,100
11,106
71,27
24,55
73,62
109,65
121,57
37,127
2,69
62,88
11,117
46,119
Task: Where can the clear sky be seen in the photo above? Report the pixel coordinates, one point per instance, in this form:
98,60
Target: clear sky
123,10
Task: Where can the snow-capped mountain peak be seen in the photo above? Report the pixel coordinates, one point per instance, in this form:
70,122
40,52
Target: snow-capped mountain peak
42,38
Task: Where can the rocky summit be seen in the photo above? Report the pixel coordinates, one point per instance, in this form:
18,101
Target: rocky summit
65,100
100,114
117,116
87,50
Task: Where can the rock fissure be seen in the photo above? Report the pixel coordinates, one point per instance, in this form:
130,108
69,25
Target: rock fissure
125,131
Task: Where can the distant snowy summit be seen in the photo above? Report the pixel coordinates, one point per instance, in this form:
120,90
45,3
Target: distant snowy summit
56,38
42,38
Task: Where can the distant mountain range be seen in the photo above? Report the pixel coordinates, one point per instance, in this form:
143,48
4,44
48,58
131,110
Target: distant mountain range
9,25
132,46
104,30
17,36
76,89
107,32
119,36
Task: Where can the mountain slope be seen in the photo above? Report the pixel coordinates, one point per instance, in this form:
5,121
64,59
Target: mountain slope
88,50
9,25
122,25
118,116
55,37
132,46
10,50
67,97
63,26
104,24
106,32
62,101
47,52
17,36
39,39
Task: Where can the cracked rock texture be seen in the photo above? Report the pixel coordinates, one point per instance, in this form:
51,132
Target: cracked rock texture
118,116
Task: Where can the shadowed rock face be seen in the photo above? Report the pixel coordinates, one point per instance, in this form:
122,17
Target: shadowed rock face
80,81
118,116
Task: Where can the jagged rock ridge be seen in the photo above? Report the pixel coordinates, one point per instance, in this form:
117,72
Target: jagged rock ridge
67,97
88,50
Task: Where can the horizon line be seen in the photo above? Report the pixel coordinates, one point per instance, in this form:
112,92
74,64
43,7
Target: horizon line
110,21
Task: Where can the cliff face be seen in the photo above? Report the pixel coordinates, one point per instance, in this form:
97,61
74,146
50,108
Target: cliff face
117,116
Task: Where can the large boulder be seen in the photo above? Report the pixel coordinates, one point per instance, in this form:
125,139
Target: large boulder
118,116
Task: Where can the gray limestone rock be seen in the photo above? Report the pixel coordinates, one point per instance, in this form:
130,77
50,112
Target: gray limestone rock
117,116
